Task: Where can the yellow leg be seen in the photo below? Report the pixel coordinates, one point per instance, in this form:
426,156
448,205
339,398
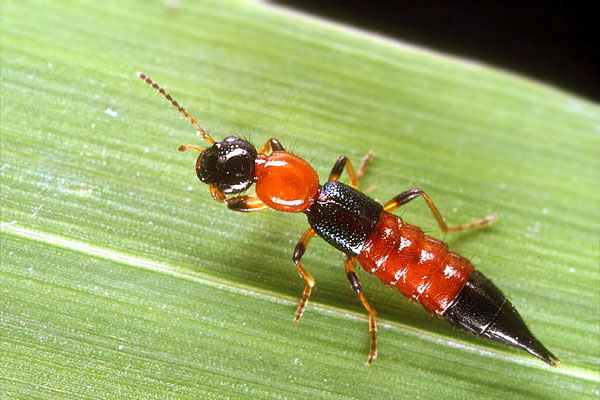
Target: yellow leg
411,194
355,285
343,161
310,281
248,203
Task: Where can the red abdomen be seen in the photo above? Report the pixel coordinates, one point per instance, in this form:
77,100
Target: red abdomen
421,267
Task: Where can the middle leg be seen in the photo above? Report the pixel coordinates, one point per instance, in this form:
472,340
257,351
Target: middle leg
343,161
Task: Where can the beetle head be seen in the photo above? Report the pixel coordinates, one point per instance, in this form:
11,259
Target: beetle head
228,165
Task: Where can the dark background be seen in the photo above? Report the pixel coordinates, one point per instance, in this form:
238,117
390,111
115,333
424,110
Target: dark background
552,41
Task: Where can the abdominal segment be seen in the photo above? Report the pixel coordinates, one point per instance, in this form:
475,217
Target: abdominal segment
421,267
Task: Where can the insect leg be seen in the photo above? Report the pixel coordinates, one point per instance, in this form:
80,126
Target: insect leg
343,161
272,145
355,285
247,203
408,195
310,281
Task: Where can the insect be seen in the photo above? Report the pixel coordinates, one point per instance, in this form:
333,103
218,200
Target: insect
399,254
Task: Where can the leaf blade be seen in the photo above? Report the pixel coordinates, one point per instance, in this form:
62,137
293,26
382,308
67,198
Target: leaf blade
477,140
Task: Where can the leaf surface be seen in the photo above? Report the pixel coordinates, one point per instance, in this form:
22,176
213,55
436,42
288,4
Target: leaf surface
122,278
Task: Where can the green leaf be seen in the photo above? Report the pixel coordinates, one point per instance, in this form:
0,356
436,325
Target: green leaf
122,278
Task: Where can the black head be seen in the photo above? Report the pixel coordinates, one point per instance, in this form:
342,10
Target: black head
228,165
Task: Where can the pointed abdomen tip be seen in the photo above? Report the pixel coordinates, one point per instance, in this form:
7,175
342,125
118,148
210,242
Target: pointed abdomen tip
482,309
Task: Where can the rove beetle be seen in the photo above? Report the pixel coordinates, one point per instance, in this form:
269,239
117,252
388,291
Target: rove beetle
399,254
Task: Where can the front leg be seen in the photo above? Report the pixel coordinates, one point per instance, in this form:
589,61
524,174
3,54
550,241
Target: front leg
247,203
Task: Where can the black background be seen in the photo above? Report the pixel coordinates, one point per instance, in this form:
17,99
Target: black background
553,41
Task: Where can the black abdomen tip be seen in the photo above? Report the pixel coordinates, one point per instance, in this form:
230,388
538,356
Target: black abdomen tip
482,309
508,327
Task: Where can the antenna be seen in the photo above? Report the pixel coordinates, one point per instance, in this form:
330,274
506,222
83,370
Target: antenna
182,110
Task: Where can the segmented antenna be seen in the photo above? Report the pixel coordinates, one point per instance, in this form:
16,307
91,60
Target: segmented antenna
182,110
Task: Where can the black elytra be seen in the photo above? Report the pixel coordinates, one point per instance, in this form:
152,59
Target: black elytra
343,216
